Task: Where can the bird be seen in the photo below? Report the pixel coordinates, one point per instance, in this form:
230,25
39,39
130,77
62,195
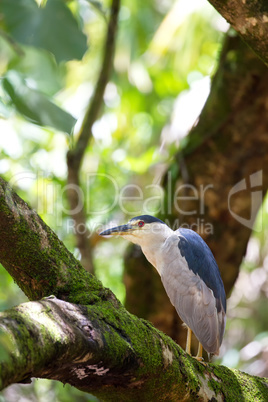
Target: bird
190,276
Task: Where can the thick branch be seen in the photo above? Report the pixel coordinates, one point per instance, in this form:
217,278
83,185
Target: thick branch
35,257
75,156
98,347
112,354
250,20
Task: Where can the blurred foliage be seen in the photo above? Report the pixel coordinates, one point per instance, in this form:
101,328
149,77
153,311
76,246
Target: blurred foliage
35,106
165,55
45,390
31,25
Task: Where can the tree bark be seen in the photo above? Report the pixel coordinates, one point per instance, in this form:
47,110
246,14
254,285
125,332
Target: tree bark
250,20
229,145
108,352
34,256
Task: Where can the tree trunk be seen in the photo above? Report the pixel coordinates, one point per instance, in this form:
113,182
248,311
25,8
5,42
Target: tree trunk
229,145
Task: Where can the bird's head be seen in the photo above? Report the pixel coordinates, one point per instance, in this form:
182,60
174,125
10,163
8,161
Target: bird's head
139,230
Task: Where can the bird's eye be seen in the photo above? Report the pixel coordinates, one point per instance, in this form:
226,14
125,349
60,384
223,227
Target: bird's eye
141,224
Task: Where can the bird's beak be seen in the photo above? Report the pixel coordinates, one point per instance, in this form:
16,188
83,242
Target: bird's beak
117,230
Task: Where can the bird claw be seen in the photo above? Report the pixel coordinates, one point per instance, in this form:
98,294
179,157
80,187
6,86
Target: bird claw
200,359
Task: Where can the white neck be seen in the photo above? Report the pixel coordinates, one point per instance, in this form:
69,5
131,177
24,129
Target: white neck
151,245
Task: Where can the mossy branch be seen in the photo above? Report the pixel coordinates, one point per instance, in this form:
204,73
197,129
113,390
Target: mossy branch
112,354
94,345
34,256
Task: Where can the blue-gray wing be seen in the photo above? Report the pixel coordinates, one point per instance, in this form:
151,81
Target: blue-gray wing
197,293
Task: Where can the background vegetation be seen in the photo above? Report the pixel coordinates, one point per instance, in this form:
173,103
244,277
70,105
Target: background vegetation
166,53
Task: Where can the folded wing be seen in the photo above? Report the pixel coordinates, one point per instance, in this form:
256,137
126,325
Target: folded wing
192,281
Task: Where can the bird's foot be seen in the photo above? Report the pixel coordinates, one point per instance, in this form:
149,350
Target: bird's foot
200,359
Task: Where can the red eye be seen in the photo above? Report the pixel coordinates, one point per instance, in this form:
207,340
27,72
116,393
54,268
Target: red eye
141,224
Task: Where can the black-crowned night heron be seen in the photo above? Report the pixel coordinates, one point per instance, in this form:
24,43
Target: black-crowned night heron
189,273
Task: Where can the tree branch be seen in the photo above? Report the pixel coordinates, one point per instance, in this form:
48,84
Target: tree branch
34,256
75,156
97,99
98,346
250,20
112,354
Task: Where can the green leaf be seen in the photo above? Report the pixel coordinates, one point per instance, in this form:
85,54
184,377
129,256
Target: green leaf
39,66
52,27
35,106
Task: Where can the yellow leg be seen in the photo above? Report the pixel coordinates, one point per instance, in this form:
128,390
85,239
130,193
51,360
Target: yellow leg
188,341
199,356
